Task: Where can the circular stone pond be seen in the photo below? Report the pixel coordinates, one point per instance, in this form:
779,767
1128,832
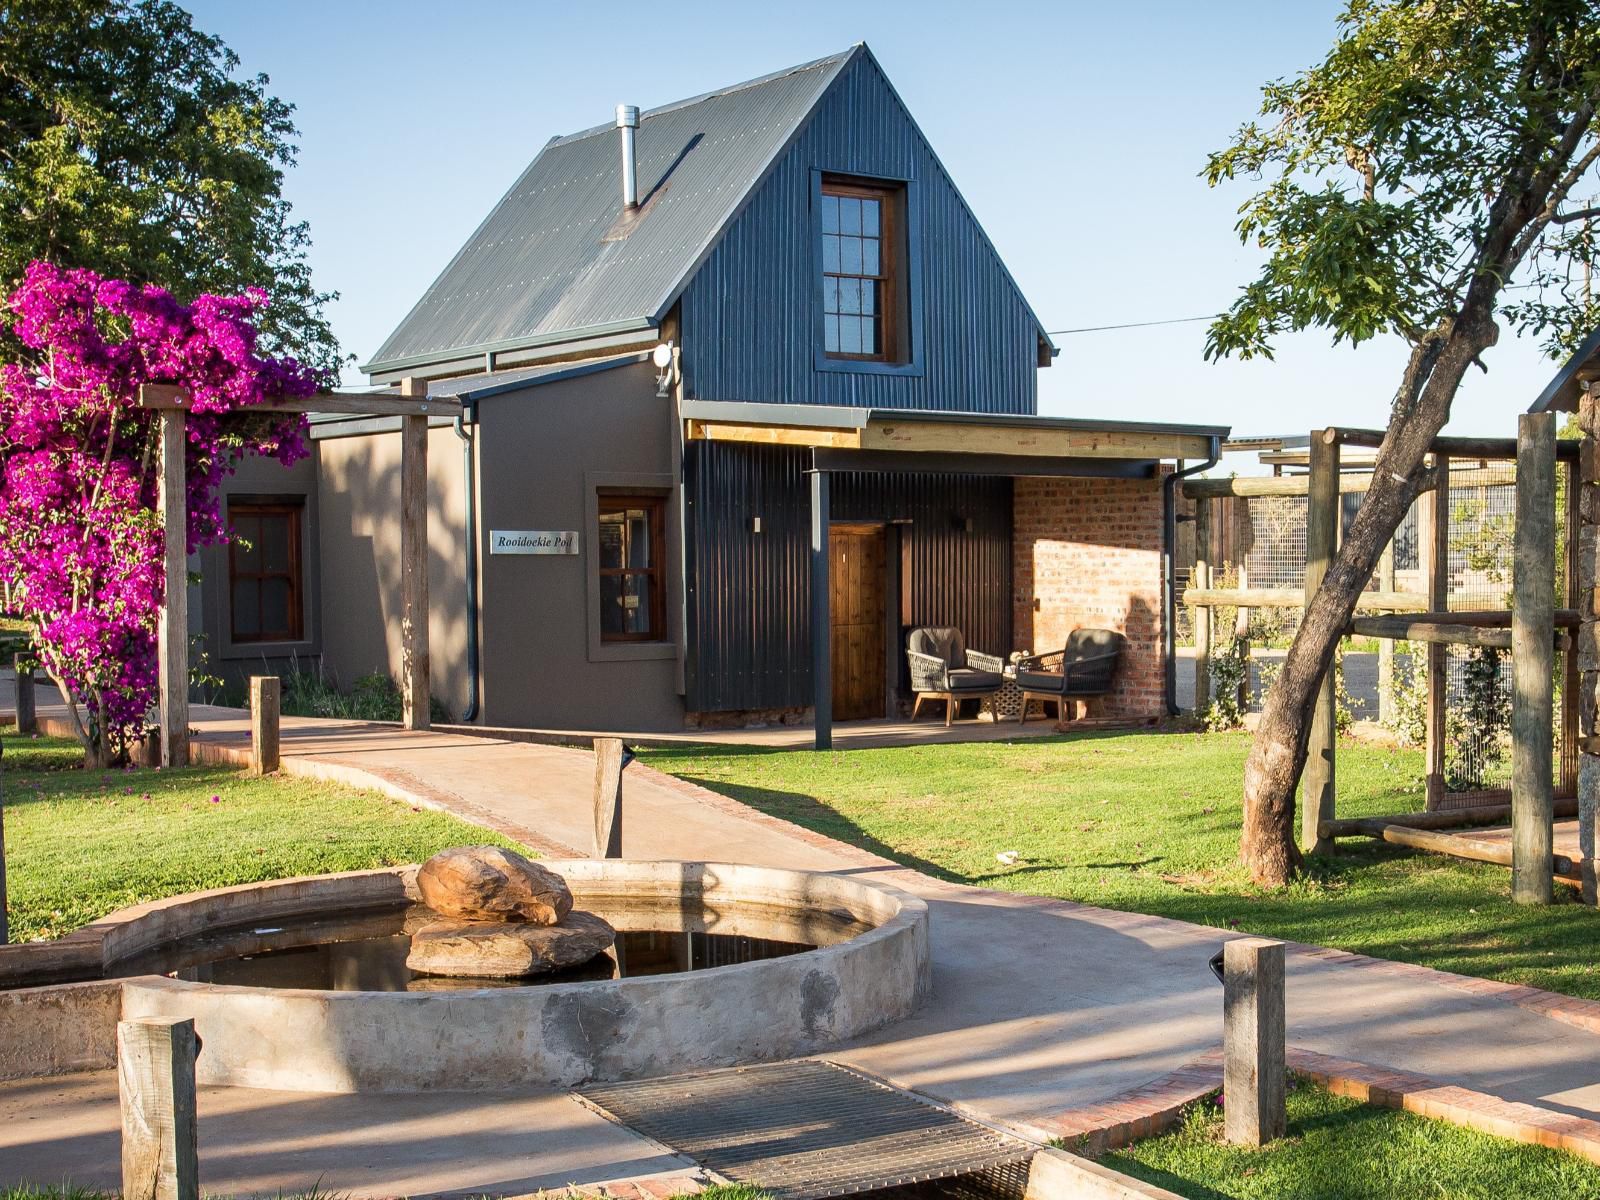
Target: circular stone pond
302,984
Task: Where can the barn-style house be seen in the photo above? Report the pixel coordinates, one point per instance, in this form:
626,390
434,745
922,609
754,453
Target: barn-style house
748,397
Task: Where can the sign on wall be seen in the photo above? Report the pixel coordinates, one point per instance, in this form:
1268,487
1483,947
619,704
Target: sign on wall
533,541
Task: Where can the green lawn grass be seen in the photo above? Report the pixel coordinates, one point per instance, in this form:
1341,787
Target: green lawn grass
1149,822
1339,1149
81,844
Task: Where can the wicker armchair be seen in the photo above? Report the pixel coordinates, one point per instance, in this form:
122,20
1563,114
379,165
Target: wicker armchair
942,668
1081,670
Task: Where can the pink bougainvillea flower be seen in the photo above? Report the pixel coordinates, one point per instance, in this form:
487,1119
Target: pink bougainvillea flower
80,538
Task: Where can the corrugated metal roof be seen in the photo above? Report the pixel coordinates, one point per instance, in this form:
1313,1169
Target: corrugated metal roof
1561,393
554,258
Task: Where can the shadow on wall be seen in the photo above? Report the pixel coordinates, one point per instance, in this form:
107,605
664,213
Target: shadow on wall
359,544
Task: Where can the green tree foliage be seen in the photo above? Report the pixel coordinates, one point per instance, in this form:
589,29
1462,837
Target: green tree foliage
129,144
1421,182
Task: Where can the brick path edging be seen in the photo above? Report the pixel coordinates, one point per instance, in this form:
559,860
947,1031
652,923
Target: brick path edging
1158,1105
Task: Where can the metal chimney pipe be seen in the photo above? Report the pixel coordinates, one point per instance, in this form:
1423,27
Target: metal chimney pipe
627,122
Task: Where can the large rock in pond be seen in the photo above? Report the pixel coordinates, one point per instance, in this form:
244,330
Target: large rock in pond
486,883
495,950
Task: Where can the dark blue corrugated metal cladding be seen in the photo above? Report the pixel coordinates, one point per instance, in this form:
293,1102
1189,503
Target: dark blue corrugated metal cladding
748,602
748,315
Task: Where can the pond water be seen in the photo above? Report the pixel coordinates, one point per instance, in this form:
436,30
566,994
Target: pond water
366,952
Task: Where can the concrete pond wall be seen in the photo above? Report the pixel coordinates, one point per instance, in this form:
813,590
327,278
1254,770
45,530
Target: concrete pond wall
480,1039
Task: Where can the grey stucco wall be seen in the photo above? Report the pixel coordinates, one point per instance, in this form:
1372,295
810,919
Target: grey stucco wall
543,454
359,548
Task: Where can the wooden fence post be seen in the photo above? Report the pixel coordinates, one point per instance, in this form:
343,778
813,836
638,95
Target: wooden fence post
1435,555
1253,1031
1322,538
610,757
414,682
265,708
1386,645
1532,652
172,637
27,706
1587,536
1201,616
1243,539
155,1077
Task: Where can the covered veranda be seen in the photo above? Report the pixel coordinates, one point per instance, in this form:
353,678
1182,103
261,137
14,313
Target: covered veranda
842,439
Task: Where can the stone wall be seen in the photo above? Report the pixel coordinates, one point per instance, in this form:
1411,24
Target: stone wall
1087,553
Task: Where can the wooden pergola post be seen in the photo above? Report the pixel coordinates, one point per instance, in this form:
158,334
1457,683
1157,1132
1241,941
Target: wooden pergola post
1243,537
1385,645
172,636
1587,703
1201,578
821,615
1532,652
1435,553
414,683
1322,538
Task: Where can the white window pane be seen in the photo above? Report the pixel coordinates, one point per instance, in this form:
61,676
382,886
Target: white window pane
869,296
869,256
830,214
850,255
849,295
849,214
869,217
830,334
849,335
830,252
869,336
830,294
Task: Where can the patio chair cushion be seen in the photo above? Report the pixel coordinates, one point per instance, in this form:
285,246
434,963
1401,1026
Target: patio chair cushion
970,679
1040,681
941,642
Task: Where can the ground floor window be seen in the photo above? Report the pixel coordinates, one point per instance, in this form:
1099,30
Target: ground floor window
264,572
631,559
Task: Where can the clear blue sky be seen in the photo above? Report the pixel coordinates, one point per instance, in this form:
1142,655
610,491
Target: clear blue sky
1075,130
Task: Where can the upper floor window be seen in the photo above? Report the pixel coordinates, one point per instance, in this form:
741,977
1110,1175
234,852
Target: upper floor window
632,554
861,299
264,579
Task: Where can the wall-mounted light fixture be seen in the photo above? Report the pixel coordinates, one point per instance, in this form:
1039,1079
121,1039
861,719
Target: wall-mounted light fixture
755,524
665,358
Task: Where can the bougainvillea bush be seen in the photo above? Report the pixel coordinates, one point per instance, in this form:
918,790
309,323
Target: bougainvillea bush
80,536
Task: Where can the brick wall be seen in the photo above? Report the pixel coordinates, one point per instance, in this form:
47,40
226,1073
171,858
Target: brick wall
1089,551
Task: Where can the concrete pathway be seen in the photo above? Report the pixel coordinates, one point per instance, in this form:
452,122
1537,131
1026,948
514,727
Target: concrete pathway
1039,1006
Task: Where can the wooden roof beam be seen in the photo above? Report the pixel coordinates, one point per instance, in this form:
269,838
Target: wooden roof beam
169,397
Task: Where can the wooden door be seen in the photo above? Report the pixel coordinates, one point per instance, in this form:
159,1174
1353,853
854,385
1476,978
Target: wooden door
858,619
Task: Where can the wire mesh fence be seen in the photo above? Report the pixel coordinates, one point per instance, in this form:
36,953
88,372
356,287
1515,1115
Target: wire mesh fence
1259,542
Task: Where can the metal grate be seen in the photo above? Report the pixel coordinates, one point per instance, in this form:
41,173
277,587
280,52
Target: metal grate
808,1129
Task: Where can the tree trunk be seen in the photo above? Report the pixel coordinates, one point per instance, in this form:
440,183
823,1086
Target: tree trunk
1278,752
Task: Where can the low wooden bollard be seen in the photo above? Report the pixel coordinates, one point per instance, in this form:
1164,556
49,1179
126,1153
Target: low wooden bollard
1253,1041
610,758
27,707
155,1078
265,706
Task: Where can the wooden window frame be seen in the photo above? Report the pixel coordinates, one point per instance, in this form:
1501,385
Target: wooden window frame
654,574
891,272
293,511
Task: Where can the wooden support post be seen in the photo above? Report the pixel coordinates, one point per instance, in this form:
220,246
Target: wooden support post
415,686
27,706
610,757
1572,520
1532,637
155,1076
265,707
1253,1032
172,637
1322,537
1434,527
1385,646
1243,537
821,615
1201,614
